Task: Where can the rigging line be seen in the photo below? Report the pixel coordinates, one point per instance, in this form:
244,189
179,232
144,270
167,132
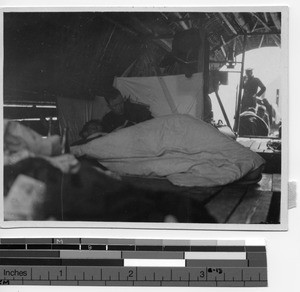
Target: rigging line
106,46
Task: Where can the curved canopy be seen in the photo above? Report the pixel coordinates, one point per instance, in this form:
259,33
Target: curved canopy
77,54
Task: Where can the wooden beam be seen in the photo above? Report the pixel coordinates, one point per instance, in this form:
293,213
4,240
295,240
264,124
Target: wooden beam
229,41
243,25
261,33
223,51
262,22
121,26
254,27
189,20
127,71
171,36
181,21
276,20
274,37
237,113
261,41
223,109
161,36
228,23
162,43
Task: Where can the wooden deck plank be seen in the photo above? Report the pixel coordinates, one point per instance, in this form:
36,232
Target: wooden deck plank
255,146
267,150
255,205
263,145
253,209
276,185
265,184
246,143
222,205
261,210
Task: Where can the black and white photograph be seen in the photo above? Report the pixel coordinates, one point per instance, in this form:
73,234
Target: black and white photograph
164,117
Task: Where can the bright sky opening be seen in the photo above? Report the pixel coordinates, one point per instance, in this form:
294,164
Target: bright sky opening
266,66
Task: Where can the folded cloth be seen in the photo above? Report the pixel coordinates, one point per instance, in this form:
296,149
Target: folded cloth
188,151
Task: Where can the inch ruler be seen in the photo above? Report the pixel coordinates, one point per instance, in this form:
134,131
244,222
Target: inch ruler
132,262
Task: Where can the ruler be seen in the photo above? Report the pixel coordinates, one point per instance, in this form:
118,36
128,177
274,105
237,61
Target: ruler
132,262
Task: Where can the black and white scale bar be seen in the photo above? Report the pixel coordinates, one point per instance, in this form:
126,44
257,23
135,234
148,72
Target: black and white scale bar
133,276
132,262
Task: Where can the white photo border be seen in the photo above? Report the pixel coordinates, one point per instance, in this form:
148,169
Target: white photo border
168,226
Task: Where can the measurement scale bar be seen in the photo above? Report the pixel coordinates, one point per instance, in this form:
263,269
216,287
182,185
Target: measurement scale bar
132,262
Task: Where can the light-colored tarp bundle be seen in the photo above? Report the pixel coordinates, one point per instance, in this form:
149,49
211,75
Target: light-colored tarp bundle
167,94
74,113
186,150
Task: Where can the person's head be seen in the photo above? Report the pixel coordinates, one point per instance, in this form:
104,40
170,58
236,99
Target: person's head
115,101
249,72
251,109
91,127
261,110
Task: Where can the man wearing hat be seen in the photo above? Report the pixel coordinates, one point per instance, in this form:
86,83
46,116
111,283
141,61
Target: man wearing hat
251,85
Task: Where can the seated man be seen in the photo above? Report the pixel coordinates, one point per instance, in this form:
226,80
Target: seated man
251,124
262,113
123,112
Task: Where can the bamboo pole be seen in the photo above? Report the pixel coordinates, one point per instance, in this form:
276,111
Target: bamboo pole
237,114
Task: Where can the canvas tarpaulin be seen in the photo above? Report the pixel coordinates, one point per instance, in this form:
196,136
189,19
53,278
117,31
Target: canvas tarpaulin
188,151
74,113
165,94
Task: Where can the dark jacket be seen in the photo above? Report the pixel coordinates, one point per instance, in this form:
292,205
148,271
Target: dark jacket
251,87
133,113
